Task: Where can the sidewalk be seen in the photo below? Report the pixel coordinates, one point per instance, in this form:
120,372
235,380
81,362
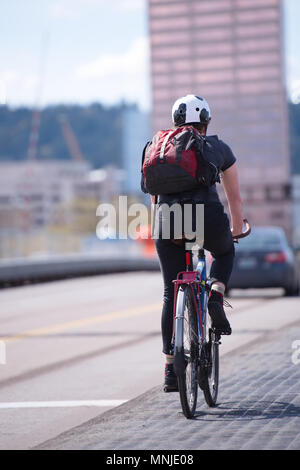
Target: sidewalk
258,408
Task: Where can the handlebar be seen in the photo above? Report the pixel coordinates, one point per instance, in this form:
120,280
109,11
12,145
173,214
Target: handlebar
244,233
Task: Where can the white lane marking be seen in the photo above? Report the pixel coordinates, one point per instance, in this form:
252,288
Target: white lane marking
2,353
60,404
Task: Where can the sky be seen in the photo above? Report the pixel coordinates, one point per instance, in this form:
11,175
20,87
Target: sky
82,51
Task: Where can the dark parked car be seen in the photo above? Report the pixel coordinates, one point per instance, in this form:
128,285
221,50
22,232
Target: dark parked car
265,259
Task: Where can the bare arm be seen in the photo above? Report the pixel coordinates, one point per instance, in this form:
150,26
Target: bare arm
232,191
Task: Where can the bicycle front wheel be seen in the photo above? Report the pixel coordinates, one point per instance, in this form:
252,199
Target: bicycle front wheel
186,351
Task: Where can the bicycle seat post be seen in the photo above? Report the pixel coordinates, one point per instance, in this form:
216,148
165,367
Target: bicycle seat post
189,260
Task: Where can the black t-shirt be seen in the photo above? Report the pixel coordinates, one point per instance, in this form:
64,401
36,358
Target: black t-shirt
217,152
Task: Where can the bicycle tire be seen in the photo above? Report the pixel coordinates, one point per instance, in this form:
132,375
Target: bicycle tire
186,357
209,369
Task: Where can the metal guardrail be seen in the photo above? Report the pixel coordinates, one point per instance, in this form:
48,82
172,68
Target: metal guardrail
17,271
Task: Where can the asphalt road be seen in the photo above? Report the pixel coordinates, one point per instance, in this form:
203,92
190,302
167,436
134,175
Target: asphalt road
77,348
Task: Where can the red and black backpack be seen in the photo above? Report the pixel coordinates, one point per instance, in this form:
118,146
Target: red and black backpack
174,161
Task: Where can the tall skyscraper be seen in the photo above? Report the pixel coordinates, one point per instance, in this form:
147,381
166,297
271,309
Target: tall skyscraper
230,52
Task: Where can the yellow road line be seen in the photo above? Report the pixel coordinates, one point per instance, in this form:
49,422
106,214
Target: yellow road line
126,313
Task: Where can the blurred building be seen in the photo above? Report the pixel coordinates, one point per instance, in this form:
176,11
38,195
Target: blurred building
231,52
50,206
31,191
136,132
104,184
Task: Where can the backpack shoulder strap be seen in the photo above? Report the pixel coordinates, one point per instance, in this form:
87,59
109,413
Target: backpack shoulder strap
144,152
143,188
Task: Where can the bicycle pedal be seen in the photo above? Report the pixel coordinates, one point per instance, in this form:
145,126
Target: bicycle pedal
169,390
218,332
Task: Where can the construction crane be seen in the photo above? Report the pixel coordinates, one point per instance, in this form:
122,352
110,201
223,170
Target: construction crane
70,139
36,115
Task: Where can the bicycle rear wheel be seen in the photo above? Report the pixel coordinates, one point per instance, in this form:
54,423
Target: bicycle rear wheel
186,351
209,369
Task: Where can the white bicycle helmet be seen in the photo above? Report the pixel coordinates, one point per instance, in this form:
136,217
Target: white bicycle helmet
190,108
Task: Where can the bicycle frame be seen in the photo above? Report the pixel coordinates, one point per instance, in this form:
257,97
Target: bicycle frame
197,280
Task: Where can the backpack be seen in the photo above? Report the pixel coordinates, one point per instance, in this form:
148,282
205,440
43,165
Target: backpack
174,161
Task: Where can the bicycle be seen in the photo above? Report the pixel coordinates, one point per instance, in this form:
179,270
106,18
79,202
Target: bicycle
195,342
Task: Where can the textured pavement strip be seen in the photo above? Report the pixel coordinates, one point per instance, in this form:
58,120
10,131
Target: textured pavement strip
258,408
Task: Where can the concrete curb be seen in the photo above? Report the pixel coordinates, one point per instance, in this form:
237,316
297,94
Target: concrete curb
20,270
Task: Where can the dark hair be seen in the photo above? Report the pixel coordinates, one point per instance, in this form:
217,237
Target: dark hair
202,128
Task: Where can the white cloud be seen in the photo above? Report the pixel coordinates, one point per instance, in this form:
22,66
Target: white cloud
30,82
293,78
3,97
18,88
120,76
294,91
126,64
8,79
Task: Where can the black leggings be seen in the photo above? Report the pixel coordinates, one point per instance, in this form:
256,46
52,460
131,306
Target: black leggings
217,240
